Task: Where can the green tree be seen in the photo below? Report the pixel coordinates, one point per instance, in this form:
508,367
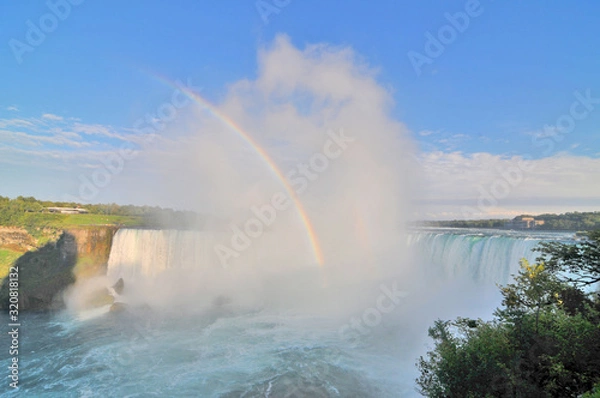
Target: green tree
535,290
544,341
578,264
468,355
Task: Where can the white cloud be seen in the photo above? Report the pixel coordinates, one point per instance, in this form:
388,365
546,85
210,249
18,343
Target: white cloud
426,133
56,143
105,131
505,184
12,108
10,123
58,138
53,158
51,116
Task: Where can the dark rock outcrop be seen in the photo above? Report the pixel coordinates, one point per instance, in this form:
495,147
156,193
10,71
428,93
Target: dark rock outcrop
119,286
44,273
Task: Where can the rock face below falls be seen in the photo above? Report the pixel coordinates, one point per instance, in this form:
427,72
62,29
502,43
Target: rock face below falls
43,273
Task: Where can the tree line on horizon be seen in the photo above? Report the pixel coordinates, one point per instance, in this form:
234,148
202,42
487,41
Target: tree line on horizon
571,221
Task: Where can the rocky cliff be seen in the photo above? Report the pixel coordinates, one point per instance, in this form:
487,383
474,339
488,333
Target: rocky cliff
16,239
93,248
45,272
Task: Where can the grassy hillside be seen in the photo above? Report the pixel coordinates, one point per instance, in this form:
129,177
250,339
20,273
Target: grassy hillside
33,215
7,258
64,221
44,227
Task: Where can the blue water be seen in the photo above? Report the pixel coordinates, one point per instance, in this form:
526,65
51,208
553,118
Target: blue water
251,355
226,350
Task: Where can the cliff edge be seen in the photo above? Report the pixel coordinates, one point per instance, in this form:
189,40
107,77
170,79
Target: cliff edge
43,273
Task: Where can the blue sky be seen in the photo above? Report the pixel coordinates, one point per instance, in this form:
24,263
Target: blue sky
495,86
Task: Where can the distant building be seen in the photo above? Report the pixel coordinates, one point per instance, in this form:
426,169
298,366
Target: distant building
523,222
67,210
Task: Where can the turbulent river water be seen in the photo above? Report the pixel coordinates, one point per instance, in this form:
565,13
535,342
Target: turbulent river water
224,344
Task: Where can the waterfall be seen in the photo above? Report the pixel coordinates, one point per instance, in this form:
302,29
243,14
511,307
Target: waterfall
483,255
147,253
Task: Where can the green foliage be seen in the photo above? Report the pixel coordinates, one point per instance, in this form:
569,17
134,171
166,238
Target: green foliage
465,360
491,223
543,342
31,214
534,292
575,221
593,393
581,262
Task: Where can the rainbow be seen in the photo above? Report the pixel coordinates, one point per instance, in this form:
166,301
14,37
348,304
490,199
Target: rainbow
272,166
